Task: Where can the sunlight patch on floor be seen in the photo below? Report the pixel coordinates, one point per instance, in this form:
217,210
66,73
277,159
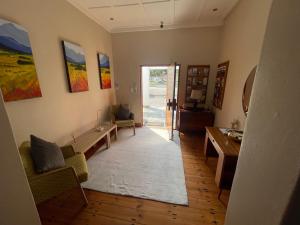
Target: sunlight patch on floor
162,132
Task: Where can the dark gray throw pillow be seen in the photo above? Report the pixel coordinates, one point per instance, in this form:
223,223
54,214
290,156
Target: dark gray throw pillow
45,155
123,113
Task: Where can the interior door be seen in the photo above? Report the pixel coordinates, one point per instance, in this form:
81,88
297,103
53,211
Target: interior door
171,97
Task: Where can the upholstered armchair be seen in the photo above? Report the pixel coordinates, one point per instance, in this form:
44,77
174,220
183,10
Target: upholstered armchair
122,123
47,185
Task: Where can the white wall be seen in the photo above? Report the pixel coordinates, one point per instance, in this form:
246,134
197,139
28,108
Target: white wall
17,206
58,113
269,162
242,38
185,46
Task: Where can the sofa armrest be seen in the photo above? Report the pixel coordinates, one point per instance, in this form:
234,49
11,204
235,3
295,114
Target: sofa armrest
68,151
47,185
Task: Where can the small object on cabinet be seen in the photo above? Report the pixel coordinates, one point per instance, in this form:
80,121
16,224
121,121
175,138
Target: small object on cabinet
196,95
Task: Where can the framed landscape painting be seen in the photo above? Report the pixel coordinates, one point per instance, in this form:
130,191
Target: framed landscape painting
104,70
18,77
75,67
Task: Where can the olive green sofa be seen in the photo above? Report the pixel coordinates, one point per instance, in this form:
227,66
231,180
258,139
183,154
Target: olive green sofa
47,185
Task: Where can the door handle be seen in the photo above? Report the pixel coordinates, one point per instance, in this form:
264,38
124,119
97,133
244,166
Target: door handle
169,104
172,104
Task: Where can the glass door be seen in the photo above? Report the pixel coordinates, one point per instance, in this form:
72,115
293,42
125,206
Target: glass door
171,98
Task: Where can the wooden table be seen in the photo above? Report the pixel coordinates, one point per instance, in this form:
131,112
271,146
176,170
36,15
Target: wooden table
90,138
227,150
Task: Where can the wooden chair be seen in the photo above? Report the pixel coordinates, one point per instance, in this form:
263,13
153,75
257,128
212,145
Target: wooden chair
122,123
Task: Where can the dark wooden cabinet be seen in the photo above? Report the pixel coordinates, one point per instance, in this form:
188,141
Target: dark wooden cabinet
194,121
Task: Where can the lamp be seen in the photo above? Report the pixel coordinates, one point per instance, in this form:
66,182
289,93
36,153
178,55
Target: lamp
196,95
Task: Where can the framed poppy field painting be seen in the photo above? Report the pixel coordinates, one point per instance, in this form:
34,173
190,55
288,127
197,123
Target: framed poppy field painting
104,71
75,67
18,76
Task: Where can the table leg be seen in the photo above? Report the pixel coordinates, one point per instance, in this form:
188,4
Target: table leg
116,133
206,147
220,192
209,149
220,170
108,140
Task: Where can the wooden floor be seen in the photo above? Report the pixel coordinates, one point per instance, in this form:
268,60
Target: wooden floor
108,209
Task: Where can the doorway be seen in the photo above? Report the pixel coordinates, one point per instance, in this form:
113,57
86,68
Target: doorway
159,86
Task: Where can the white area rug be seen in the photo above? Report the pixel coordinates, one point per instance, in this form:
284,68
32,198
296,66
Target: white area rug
147,165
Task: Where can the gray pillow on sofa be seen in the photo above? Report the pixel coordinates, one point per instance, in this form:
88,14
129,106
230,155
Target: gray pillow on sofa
123,113
45,155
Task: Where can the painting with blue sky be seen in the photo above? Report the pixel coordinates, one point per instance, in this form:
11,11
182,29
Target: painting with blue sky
18,76
104,70
75,67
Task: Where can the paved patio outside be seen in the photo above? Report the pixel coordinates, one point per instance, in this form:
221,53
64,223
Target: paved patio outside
155,113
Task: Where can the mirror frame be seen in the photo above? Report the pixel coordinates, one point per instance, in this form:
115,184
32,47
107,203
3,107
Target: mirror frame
248,86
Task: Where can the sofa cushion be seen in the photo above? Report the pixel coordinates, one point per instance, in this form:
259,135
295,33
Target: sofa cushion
28,164
45,155
123,113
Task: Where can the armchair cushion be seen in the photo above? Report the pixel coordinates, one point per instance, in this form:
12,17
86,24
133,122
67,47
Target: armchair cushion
46,155
125,123
78,162
27,159
67,151
123,113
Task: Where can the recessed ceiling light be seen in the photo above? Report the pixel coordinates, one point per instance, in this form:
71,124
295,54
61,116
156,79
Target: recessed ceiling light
111,18
215,9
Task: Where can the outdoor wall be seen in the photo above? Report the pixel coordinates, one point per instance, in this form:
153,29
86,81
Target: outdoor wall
16,205
185,46
58,114
145,86
269,162
242,37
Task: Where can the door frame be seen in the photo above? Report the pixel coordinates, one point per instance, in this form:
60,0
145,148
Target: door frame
177,109
141,87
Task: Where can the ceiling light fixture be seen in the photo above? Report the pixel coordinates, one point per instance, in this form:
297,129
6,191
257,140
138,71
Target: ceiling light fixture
161,24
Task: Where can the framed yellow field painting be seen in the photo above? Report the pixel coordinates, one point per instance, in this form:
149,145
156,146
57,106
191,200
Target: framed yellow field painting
75,67
104,70
18,76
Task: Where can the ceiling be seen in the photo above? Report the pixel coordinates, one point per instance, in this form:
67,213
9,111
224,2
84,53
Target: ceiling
136,15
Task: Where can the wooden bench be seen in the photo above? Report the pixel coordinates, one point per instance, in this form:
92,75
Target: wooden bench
89,139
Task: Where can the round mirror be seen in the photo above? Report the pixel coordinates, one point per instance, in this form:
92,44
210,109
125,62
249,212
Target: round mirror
247,90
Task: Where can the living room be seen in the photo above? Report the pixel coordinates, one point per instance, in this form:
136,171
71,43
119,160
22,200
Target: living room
115,44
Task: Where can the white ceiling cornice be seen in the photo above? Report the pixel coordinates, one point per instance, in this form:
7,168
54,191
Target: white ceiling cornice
145,15
167,27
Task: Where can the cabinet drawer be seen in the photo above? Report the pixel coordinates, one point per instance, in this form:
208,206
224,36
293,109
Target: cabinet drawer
215,144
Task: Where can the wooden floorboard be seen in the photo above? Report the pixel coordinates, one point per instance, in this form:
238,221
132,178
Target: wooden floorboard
109,209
